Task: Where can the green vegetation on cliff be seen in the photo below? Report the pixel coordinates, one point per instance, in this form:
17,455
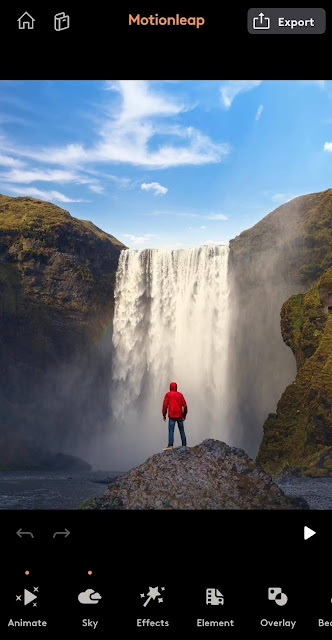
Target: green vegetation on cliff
279,258
43,250
296,238
298,438
57,277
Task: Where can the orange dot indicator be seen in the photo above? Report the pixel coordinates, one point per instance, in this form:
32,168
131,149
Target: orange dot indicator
90,573
27,573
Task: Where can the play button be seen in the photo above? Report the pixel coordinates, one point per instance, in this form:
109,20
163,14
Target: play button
308,533
28,596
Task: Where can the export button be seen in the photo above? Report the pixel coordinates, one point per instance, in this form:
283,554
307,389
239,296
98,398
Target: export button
281,21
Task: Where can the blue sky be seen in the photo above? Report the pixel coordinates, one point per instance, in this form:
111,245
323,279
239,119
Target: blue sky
166,164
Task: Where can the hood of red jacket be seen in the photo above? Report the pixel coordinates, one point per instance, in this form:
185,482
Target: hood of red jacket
173,386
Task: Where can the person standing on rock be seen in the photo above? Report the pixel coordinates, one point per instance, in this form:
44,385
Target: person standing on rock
177,411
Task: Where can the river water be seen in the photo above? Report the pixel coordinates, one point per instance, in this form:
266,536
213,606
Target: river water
43,490
32,490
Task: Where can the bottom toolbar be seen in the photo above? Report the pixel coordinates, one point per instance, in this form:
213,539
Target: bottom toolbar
97,600
199,573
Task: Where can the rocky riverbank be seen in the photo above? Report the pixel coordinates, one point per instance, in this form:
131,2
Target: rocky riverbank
211,475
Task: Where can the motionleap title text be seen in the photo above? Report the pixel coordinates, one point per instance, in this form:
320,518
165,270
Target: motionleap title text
157,21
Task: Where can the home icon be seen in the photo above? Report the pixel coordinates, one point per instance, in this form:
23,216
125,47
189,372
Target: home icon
25,21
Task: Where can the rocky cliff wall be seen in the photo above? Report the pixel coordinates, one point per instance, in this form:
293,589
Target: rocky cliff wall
57,278
283,254
298,437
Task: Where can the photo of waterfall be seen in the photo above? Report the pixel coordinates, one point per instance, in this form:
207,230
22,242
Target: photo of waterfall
165,295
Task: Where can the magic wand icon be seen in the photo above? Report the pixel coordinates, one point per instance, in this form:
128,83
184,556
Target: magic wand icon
152,595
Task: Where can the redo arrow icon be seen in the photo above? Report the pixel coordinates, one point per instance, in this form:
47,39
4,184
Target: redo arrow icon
308,533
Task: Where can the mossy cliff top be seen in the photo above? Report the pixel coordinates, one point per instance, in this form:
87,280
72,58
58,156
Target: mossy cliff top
53,259
298,438
31,217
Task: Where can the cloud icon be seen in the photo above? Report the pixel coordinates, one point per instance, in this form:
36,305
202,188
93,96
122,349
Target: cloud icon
89,597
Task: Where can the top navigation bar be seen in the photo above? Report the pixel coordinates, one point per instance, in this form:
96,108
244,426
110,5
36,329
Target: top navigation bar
259,21
179,42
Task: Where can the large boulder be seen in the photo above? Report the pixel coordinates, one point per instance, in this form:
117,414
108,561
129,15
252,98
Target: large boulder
211,475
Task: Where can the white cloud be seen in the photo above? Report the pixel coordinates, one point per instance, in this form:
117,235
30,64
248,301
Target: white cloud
37,193
138,101
328,146
284,197
154,186
322,84
96,188
139,239
121,182
259,112
126,134
203,227
217,216
48,175
7,161
232,88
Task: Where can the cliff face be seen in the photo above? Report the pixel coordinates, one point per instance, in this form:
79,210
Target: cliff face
284,254
57,278
298,437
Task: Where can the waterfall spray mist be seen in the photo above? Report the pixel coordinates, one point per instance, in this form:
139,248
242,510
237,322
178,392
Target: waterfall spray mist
170,323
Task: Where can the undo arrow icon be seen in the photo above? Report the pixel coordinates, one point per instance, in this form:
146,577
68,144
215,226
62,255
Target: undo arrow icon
21,533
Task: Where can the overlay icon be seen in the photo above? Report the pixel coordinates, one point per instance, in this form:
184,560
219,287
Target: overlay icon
276,594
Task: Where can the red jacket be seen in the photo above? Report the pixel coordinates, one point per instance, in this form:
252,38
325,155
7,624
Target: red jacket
174,401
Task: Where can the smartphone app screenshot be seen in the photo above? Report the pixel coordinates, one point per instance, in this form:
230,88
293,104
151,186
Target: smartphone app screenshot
165,321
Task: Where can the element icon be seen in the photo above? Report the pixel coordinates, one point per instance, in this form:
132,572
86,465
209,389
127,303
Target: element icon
214,596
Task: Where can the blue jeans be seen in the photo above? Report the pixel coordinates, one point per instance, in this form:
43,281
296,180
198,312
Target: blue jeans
171,425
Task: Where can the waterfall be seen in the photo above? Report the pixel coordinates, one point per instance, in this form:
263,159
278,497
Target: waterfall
170,324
